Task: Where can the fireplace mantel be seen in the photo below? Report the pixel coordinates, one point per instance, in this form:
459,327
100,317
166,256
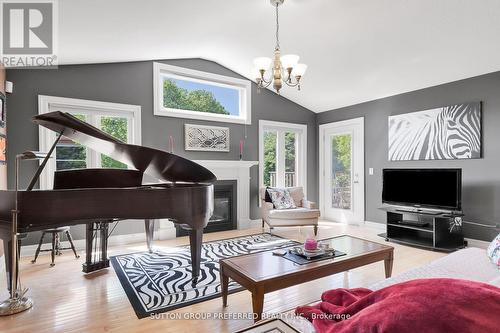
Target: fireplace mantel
239,171
224,164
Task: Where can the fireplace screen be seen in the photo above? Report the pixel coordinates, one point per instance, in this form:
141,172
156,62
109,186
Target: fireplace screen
224,216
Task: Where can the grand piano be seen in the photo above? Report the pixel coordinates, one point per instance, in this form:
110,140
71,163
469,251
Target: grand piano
98,197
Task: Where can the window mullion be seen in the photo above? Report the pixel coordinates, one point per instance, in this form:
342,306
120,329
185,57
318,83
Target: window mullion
94,155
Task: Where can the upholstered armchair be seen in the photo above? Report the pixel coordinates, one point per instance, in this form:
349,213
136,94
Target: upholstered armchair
306,213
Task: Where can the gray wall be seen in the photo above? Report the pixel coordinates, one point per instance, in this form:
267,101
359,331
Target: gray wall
481,177
132,83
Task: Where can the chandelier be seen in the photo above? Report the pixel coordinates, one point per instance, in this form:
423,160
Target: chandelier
285,69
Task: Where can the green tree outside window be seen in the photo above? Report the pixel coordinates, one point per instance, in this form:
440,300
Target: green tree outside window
175,97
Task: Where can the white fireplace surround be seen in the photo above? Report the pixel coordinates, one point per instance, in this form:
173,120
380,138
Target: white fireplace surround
239,171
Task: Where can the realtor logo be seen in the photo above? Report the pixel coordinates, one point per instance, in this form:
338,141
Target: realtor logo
28,33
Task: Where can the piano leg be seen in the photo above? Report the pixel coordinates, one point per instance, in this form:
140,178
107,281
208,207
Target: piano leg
7,253
196,242
150,229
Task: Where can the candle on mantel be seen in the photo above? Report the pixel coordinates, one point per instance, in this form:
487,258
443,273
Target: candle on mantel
171,144
241,149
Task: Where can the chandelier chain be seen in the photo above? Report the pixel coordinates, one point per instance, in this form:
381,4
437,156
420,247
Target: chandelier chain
277,29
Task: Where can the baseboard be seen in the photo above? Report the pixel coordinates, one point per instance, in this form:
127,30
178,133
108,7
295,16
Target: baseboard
375,225
477,243
248,223
255,223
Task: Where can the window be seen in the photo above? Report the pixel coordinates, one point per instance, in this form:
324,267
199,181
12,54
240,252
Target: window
282,150
71,155
122,121
186,93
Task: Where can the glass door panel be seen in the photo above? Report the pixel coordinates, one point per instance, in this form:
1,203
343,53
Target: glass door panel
290,159
341,171
270,158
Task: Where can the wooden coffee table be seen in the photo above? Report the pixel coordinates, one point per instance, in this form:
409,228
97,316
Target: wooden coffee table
263,272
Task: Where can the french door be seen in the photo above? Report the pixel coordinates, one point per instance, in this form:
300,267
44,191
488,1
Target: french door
282,150
342,189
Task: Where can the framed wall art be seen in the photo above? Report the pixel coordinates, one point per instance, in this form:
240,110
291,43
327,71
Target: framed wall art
206,138
446,133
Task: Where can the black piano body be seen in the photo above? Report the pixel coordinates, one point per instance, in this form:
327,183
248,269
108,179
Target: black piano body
97,197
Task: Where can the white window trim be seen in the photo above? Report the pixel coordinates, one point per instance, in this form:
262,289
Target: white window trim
52,103
244,87
265,125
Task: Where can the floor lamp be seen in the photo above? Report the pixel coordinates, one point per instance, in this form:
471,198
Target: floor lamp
18,301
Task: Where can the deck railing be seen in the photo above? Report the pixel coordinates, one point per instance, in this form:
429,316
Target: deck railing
289,179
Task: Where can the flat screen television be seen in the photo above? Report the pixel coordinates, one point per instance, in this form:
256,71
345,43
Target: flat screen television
427,188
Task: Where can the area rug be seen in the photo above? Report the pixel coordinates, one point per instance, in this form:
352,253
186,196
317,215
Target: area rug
161,281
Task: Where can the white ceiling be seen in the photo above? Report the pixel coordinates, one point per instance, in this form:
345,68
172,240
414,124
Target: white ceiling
357,50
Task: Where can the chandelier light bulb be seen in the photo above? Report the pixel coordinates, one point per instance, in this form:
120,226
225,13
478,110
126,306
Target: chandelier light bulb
299,70
262,63
289,61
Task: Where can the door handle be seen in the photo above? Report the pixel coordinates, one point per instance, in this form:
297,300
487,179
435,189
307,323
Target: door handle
356,182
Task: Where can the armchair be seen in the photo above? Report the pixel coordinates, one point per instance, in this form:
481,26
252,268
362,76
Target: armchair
305,214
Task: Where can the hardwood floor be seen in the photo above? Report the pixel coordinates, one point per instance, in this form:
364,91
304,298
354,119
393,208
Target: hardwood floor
66,300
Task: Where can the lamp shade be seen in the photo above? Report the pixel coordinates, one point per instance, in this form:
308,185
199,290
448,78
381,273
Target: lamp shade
289,61
299,70
262,63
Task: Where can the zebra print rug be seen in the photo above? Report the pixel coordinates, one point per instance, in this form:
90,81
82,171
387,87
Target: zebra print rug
161,281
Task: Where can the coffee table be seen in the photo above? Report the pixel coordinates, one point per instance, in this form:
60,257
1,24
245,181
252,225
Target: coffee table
263,272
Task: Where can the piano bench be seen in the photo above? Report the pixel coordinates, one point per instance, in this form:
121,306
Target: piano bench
56,243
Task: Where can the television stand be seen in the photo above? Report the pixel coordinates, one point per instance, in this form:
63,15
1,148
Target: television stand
439,230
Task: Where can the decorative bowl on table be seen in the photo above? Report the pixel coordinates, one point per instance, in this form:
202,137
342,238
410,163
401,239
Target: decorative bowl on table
309,254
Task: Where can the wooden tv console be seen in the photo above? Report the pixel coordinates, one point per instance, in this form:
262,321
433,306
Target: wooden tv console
437,230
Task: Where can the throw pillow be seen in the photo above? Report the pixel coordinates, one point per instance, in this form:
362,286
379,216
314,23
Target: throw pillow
268,197
281,198
494,250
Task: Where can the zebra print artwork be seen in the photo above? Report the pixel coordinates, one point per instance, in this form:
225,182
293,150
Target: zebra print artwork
447,133
161,281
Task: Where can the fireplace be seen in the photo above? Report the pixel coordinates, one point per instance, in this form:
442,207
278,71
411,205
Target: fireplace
224,216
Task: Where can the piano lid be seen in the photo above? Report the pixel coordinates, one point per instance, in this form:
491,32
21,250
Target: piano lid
154,162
